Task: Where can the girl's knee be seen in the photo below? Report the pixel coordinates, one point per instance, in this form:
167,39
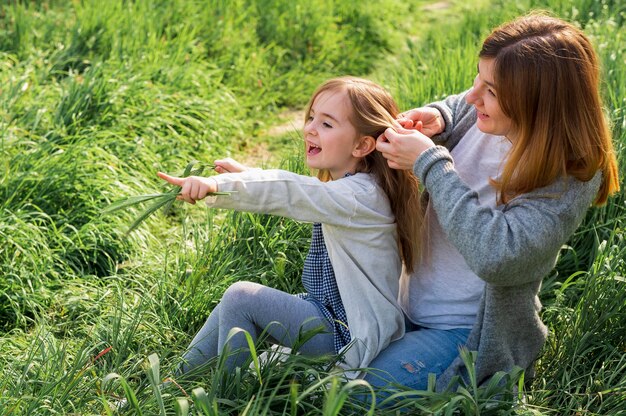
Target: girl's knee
239,293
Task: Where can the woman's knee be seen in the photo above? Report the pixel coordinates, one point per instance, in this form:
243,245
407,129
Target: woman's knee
410,360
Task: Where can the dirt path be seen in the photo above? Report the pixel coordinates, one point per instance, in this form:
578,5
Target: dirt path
261,153
292,121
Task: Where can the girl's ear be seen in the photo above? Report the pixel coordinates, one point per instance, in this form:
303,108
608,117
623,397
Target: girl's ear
364,147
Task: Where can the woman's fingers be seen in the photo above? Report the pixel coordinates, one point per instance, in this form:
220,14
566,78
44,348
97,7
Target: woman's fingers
431,120
401,147
386,147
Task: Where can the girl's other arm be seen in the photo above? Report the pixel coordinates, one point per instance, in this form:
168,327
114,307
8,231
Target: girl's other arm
229,165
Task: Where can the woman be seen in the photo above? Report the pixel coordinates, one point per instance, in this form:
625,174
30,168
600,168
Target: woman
511,169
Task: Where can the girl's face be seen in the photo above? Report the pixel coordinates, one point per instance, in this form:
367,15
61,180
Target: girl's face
330,137
484,97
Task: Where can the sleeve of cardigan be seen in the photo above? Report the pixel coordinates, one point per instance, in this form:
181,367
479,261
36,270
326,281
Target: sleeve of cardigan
511,244
458,116
350,201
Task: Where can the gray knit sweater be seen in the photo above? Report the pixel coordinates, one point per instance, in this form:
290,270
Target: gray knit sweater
511,247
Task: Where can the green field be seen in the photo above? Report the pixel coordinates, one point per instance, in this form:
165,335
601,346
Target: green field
97,96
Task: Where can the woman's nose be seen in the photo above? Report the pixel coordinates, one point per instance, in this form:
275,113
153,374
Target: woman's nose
471,96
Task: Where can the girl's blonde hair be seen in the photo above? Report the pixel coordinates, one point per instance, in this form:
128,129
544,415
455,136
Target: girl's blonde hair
547,77
373,111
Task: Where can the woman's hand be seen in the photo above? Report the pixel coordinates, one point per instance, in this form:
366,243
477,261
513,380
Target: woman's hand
401,148
428,120
229,165
193,188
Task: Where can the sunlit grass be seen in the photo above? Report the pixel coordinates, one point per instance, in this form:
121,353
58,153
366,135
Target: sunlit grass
97,97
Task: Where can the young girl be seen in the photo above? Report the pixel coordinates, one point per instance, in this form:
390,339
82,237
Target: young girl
525,152
364,229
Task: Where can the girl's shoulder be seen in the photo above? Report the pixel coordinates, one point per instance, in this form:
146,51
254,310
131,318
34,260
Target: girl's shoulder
359,181
362,186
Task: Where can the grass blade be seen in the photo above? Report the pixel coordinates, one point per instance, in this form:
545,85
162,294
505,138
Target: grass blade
135,200
133,403
148,212
153,371
164,200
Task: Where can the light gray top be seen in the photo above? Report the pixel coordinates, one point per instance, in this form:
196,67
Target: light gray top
511,247
360,235
446,292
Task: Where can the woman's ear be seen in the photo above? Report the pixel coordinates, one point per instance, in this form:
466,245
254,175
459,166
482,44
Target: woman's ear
365,146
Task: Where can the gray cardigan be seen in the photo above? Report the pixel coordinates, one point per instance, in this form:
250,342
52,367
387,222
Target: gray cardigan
511,247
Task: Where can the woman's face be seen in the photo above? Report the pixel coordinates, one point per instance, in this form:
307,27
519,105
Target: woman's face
484,97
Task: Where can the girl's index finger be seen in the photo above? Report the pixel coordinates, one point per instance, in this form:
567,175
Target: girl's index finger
171,179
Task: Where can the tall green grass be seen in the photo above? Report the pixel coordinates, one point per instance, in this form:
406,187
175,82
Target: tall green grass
96,97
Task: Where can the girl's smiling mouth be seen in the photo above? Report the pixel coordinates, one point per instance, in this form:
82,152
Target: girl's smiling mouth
312,149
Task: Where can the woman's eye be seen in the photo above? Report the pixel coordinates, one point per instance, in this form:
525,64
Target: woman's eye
490,91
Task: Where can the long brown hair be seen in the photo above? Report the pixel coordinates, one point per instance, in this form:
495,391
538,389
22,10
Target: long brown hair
373,111
547,77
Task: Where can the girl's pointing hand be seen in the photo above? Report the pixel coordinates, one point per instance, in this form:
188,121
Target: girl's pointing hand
193,188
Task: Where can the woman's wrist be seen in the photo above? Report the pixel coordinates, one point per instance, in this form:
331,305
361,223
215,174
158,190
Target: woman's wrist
428,164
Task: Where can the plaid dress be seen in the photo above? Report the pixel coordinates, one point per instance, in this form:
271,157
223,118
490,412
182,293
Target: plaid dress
318,278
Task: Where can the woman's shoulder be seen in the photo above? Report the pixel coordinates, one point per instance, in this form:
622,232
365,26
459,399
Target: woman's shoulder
566,194
570,185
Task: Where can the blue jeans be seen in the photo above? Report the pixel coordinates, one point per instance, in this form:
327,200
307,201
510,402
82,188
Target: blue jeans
421,351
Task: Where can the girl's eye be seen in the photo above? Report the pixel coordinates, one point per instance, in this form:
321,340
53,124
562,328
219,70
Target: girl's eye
490,91
325,124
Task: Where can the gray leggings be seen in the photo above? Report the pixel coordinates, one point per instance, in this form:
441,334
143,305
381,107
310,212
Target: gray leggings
252,307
